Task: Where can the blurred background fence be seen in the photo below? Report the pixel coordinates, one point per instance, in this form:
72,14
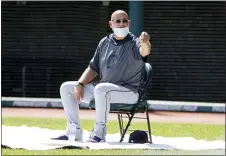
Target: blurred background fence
47,43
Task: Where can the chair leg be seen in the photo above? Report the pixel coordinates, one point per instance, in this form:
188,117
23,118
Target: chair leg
149,126
127,126
120,121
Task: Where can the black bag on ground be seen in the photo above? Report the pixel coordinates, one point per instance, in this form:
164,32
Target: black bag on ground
139,137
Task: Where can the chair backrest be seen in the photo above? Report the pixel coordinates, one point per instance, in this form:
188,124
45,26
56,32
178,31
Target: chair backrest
147,79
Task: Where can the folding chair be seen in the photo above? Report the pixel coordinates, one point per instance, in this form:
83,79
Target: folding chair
131,109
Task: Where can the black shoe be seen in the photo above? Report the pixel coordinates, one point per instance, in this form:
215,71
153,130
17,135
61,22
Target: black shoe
95,139
62,137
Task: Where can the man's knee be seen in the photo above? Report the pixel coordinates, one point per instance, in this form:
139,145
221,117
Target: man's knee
67,87
101,88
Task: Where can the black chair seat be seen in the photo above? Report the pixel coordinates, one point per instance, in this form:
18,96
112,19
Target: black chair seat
122,107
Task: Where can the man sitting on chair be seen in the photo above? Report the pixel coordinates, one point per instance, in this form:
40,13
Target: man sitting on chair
118,61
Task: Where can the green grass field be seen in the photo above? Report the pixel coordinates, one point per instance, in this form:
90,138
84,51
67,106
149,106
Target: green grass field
198,131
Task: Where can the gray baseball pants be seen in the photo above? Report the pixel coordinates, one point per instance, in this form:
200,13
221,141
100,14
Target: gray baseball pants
103,93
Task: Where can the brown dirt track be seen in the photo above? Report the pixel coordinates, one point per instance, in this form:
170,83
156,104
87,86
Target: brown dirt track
158,116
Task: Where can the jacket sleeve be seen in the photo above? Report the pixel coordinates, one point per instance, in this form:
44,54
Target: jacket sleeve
94,62
136,50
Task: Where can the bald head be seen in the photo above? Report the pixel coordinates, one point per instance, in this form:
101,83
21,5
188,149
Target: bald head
118,14
119,19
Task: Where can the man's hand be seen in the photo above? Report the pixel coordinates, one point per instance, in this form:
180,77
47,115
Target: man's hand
78,92
144,37
145,48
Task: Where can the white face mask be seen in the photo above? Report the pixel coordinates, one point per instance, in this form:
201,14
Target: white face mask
121,32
